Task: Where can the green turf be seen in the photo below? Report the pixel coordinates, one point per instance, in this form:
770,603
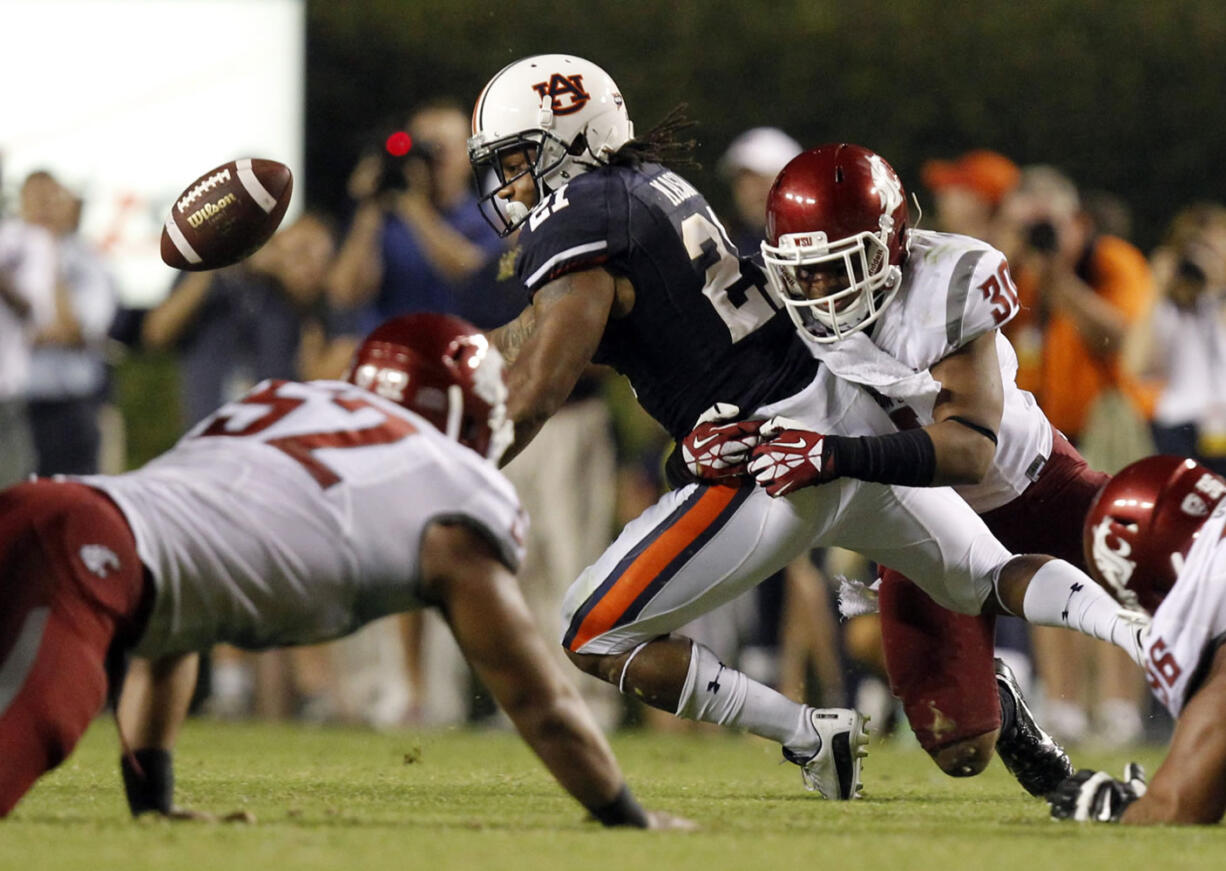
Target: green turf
351,799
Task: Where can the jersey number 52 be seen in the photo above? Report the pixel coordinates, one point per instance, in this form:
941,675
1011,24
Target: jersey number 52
266,404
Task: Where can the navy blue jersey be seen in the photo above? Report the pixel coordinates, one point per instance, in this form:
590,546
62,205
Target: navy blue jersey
702,329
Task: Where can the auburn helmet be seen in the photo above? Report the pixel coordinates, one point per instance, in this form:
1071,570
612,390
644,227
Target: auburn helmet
565,113
1142,524
836,215
442,368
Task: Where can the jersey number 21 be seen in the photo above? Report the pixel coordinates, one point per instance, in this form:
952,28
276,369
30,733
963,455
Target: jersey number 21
735,287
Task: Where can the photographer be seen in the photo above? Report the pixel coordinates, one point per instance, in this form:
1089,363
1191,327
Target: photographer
1182,343
262,318
1080,291
416,236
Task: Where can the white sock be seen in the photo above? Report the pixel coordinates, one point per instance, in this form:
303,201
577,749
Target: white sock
1060,594
714,693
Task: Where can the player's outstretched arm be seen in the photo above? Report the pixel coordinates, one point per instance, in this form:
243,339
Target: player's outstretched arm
152,707
956,448
1190,785
567,322
480,600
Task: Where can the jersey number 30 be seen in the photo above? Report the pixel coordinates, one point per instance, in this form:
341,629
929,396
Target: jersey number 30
735,287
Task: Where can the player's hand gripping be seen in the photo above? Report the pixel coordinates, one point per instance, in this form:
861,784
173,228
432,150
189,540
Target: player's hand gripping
718,446
789,457
1096,796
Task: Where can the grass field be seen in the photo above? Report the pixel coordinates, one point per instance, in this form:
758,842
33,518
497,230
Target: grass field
351,799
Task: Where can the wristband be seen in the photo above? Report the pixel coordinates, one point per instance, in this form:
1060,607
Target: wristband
623,810
152,787
907,457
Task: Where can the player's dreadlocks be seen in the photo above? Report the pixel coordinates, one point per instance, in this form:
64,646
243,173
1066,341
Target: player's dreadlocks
661,144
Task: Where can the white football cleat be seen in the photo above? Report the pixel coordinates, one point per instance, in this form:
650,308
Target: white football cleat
834,770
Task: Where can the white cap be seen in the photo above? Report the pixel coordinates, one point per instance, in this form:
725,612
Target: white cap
763,150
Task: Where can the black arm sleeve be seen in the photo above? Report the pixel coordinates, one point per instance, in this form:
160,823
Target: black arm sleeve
908,457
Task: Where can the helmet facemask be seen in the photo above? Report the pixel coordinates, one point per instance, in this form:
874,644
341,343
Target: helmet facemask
543,156
871,281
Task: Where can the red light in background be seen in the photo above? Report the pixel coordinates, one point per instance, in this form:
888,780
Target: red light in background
398,144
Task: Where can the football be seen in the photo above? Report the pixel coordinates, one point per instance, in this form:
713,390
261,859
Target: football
226,214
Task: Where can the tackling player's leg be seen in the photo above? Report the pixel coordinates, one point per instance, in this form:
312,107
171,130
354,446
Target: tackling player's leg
962,710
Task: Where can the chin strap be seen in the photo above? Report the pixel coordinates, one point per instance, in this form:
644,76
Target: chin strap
455,411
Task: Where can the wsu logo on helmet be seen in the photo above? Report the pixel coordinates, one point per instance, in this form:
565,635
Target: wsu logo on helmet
886,185
559,87
1110,556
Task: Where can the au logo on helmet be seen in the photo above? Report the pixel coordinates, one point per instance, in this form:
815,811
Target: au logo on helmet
560,86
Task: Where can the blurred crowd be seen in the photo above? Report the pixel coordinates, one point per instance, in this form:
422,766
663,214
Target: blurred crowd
1124,350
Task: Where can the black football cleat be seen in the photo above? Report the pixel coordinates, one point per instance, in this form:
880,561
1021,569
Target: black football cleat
1031,755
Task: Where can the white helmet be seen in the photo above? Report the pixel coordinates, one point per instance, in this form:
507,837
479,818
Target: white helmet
567,109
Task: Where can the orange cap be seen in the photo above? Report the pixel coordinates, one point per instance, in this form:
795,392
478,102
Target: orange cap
990,174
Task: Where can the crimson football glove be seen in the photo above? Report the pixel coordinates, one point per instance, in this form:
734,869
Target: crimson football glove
789,457
718,446
1096,796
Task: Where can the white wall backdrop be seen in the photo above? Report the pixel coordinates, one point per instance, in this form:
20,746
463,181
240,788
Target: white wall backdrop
127,101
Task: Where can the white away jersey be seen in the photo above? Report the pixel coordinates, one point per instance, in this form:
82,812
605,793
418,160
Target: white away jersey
954,289
1190,624
294,515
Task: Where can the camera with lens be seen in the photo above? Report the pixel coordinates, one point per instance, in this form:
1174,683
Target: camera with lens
399,149
1190,272
1042,236
1189,281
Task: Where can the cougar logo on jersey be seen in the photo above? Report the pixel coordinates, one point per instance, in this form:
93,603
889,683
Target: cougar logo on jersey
886,185
1113,563
560,86
99,559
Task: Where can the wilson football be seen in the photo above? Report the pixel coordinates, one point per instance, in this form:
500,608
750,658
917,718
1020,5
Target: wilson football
226,214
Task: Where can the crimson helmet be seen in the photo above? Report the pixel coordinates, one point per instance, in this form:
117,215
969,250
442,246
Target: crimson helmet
837,207
444,369
1143,523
